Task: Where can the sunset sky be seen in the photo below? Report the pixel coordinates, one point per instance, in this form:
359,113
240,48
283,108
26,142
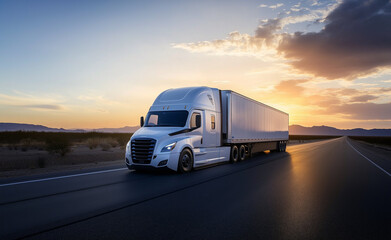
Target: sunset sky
91,64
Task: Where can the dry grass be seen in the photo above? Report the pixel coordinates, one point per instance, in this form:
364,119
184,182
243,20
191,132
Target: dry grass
105,143
26,144
93,142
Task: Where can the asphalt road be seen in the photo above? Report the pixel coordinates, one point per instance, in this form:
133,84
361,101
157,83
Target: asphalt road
334,189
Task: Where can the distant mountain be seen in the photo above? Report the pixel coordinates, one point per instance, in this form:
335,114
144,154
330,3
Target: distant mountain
325,130
126,129
8,127
293,130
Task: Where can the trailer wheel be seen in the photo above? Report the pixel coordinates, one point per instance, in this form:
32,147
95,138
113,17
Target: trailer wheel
185,161
242,153
281,147
234,154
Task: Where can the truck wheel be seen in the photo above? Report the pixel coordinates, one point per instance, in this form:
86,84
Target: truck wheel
279,147
234,154
185,162
284,147
242,153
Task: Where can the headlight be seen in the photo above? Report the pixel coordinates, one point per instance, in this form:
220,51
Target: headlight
169,147
128,147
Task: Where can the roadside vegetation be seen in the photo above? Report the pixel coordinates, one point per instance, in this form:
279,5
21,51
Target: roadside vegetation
30,150
61,143
373,140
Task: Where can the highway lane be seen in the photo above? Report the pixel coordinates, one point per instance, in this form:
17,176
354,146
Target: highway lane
321,190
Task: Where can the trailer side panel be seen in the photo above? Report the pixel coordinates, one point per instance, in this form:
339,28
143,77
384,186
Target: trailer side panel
247,120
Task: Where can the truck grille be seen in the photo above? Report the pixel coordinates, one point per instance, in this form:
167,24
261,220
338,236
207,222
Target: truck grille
142,150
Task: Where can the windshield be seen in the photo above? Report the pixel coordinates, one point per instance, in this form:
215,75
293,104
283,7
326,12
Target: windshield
166,119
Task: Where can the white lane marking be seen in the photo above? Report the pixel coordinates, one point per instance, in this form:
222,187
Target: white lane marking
369,159
60,177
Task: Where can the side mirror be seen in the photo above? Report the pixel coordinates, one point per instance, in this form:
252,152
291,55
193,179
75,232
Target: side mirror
198,121
141,121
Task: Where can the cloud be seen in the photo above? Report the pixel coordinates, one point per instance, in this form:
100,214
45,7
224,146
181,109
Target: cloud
348,103
235,44
268,29
355,41
345,91
38,102
384,90
291,87
43,106
363,98
263,43
363,111
272,6
276,5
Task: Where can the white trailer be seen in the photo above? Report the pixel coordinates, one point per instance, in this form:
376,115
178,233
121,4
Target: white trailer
256,126
187,128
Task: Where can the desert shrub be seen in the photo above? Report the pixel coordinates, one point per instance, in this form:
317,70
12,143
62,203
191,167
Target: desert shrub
41,162
93,142
58,145
105,143
12,146
123,139
113,142
105,146
25,144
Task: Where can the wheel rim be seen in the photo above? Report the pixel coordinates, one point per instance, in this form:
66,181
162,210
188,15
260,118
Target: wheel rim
242,153
235,154
186,161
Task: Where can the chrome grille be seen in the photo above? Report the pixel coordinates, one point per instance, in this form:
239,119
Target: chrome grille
142,150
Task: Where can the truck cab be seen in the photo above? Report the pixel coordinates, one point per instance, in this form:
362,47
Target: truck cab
182,130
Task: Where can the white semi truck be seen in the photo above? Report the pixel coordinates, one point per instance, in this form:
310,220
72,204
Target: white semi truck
192,127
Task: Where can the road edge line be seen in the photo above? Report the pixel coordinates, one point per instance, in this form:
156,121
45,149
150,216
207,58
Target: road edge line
60,177
368,159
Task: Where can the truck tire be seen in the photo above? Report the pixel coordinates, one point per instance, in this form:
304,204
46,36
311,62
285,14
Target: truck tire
234,154
281,147
242,153
185,161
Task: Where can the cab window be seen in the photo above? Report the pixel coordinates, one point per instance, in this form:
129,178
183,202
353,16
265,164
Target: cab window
212,122
193,120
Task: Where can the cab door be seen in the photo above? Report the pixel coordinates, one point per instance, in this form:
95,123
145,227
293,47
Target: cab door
196,133
210,130
209,152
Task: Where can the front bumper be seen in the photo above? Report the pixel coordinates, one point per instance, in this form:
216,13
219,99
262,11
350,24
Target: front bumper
170,157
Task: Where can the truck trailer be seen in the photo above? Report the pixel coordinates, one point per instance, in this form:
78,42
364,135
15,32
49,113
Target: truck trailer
188,128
